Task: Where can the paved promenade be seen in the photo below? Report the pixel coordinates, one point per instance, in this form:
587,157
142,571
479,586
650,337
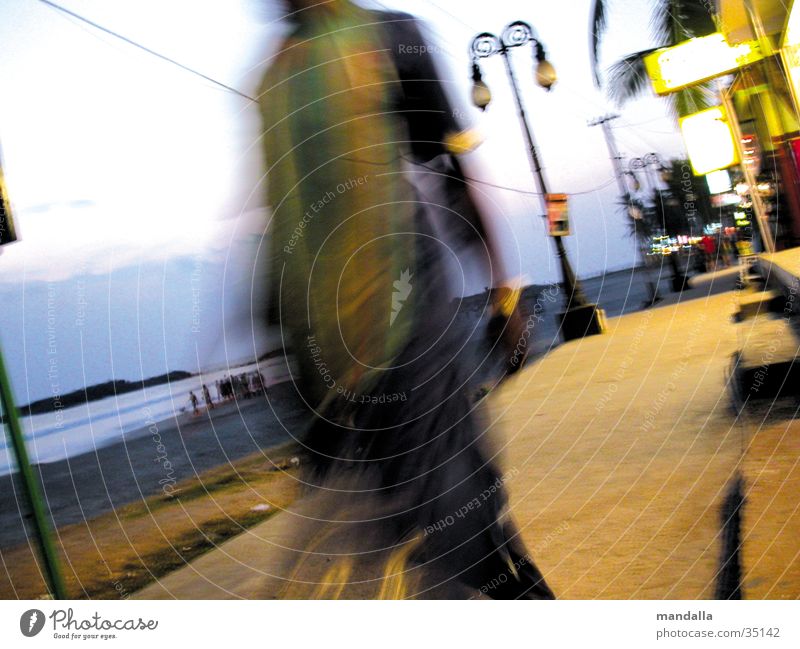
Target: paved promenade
617,451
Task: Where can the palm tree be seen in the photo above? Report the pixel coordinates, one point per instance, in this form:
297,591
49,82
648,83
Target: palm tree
672,21
684,206
642,225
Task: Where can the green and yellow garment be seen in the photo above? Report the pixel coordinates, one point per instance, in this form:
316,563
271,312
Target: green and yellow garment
342,229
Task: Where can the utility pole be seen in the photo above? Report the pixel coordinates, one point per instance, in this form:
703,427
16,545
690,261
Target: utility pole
8,409
616,162
616,159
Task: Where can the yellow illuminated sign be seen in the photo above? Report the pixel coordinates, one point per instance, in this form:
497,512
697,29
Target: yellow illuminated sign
792,34
791,50
697,60
709,140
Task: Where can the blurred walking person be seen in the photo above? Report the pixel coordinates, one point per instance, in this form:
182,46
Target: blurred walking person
358,270
710,249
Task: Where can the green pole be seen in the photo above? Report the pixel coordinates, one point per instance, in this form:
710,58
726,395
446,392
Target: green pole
31,487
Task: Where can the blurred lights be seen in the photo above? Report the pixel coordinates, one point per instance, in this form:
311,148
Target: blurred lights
718,181
750,153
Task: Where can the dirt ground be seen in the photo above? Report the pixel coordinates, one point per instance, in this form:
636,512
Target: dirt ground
119,552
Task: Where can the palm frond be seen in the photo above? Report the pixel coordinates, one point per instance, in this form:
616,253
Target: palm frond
674,21
597,26
627,78
638,216
692,99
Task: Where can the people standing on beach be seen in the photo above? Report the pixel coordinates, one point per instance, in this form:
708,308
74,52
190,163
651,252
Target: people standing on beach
225,387
363,296
242,390
207,397
193,400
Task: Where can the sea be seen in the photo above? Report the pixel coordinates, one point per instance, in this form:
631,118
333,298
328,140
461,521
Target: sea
55,436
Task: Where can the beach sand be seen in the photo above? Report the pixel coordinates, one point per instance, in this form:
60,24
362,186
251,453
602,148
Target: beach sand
151,461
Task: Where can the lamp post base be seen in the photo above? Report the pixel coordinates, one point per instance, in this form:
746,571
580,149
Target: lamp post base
581,321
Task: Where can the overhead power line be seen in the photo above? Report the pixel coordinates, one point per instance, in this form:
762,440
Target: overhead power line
515,190
110,32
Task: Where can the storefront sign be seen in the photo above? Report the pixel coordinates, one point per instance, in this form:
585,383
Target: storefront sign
709,140
697,60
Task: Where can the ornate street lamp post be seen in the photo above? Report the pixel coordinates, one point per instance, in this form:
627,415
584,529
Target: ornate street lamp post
580,318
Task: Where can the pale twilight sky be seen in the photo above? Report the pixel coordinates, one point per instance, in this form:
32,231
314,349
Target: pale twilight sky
128,174
113,156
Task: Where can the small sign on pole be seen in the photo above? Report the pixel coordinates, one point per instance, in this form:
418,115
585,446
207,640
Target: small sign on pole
557,215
